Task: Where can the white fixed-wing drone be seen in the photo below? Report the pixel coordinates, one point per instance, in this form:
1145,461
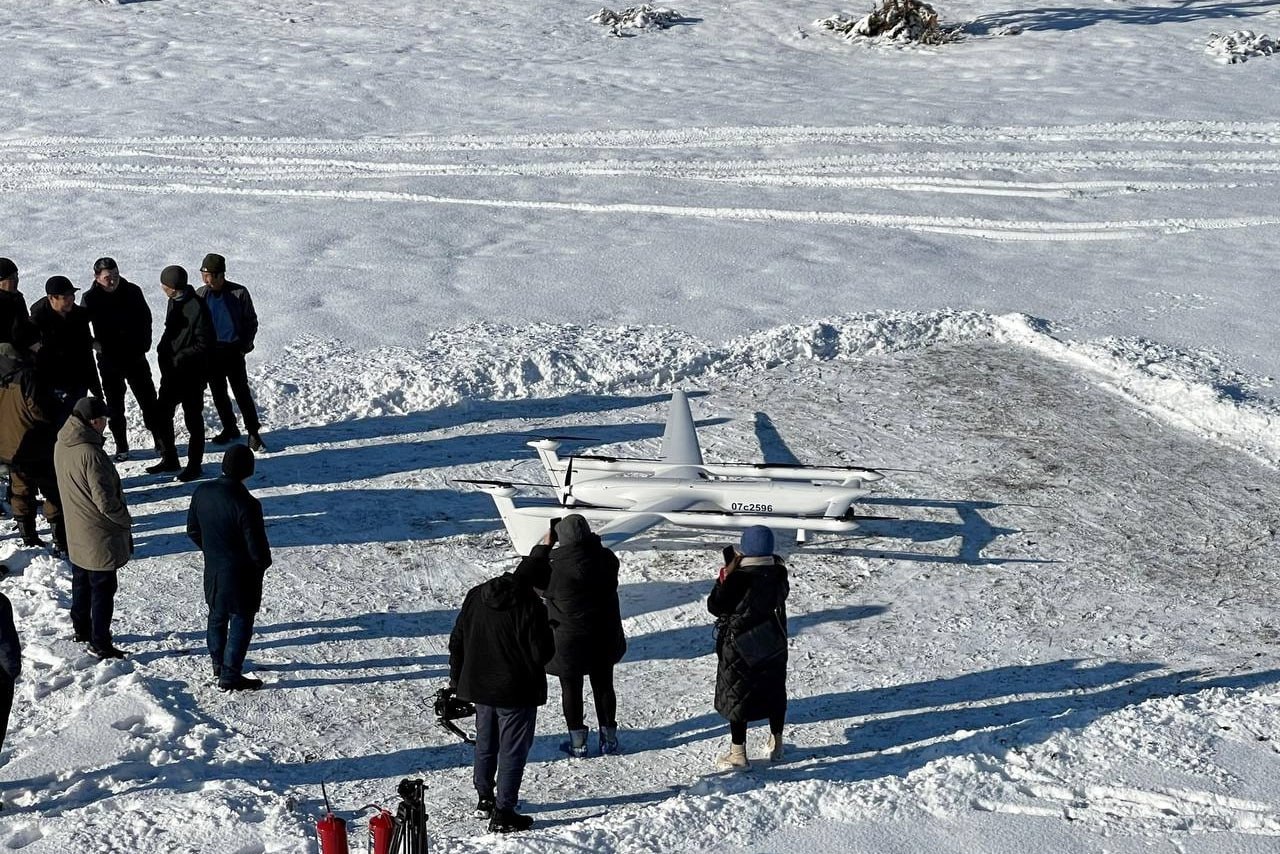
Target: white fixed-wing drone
622,497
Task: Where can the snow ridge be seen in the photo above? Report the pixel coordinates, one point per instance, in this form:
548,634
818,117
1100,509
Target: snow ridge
317,381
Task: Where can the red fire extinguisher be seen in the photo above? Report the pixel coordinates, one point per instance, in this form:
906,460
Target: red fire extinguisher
382,827
331,831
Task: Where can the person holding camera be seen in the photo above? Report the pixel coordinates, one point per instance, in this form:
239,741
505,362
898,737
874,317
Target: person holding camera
749,603
581,592
497,650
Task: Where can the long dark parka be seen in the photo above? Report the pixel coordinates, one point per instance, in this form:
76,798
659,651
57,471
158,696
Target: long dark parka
753,592
581,580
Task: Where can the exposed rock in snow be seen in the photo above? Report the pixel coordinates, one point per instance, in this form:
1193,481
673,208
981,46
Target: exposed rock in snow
1239,46
895,21
643,17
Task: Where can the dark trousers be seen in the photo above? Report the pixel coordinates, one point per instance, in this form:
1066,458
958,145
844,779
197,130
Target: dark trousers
136,373
23,488
227,366
503,739
6,704
738,729
189,393
228,638
601,689
93,601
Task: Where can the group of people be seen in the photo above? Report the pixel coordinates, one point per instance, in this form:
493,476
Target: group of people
558,613
57,403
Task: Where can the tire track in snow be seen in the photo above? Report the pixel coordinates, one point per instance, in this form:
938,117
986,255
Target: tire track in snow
288,168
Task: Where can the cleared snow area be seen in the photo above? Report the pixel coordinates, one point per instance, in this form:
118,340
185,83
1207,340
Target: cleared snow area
1030,274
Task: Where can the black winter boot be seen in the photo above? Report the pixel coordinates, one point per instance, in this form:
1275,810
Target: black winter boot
29,538
59,536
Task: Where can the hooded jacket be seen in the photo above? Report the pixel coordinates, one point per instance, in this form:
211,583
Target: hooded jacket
753,593
99,528
581,580
499,644
27,409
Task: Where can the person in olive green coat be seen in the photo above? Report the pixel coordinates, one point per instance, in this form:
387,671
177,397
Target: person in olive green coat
99,536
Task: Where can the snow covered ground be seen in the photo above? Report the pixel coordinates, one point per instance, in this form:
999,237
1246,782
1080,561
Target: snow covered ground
1031,270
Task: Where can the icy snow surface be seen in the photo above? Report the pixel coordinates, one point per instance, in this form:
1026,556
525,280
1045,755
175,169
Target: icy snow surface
1032,276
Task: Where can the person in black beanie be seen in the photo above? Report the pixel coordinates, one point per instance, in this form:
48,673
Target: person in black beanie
121,322
226,523
183,354
64,363
13,305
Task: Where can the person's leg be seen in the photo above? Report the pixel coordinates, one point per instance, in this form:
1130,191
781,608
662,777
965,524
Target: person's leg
237,375
484,767
113,386
22,498
219,365
216,636
571,702
102,606
738,732
239,632
6,705
606,698
81,595
162,423
139,378
515,737
193,417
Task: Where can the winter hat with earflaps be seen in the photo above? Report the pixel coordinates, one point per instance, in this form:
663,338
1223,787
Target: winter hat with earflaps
572,529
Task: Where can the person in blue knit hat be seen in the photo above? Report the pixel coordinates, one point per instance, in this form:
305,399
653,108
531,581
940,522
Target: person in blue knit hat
749,603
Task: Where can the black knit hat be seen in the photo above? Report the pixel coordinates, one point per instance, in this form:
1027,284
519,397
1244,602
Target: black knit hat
237,463
90,408
8,269
173,276
104,264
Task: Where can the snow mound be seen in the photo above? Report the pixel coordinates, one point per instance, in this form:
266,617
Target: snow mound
320,381
643,17
1239,46
895,22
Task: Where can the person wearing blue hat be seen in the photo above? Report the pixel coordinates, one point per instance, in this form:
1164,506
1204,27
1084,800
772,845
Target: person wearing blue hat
749,603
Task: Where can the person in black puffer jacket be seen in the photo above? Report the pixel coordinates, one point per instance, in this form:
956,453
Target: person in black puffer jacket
749,602
499,645
580,577
183,355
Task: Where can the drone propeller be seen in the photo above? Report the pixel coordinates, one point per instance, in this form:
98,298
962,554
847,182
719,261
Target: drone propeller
504,483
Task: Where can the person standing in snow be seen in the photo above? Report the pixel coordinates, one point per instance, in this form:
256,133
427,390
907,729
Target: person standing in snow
99,529
183,354
226,523
749,602
579,578
13,305
27,435
497,650
236,325
10,663
64,364
121,322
